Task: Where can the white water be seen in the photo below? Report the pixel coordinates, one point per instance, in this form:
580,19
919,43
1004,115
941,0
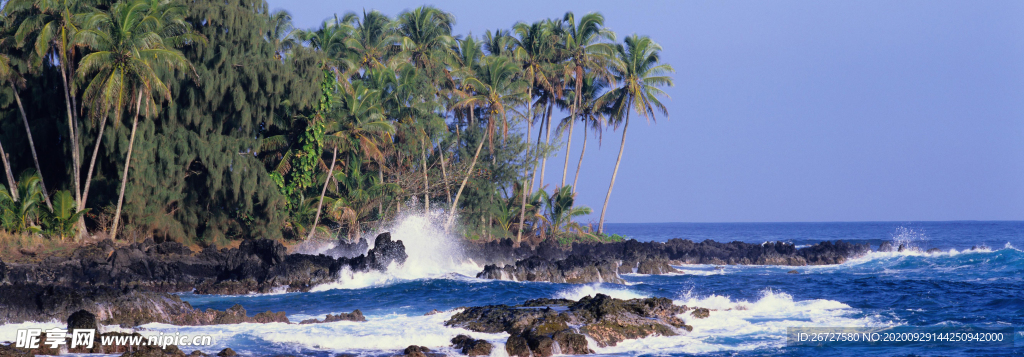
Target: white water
432,252
758,324
581,291
383,332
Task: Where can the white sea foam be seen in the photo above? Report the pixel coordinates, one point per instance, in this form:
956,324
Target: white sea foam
433,253
9,332
379,333
581,291
737,325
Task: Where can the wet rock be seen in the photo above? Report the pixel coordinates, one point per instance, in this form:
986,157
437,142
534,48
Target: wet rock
419,351
700,313
792,272
356,316
155,351
933,251
82,320
516,346
256,266
544,324
432,312
8,350
575,269
571,343
886,247
198,353
227,352
349,250
472,347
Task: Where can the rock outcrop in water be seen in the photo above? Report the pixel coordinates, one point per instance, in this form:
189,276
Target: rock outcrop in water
255,266
128,285
543,327
599,262
20,303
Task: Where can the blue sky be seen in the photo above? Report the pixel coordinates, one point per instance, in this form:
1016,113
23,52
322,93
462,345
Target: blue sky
800,110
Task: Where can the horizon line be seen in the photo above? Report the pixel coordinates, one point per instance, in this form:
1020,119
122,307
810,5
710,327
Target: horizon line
755,222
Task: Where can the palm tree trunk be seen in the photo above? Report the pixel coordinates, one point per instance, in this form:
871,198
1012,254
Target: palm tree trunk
568,145
444,174
536,162
32,145
92,163
580,164
525,189
13,186
127,164
572,123
455,203
547,141
71,127
426,179
600,227
323,192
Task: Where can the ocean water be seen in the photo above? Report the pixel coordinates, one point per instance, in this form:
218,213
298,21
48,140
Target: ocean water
976,279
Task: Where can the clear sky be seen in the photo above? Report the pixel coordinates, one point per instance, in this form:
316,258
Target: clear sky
799,110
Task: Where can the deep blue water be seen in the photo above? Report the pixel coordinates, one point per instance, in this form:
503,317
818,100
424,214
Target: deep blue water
755,304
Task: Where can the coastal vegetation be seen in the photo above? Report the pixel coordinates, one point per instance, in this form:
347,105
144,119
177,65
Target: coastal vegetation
211,121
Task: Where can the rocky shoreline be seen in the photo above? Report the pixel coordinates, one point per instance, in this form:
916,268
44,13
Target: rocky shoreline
135,284
123,285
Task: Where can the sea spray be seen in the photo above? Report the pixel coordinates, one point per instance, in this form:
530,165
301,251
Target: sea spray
432,250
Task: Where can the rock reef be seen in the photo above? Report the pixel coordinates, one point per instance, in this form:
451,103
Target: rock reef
602,262
544,327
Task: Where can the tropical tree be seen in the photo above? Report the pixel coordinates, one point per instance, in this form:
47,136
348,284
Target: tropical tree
592,112
498,87
560,211
532,47
133,45
585,54
281,34
52,25
62,219
375,41
9,74
21,215
640,76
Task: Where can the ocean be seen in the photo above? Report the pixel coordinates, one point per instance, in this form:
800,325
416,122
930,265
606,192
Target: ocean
976,278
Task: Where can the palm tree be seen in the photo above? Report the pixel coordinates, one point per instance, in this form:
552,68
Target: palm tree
590,111
561,211
358,129
281,33
640,74
329,43
54,24
426,36
532,48
498,87
18,215
132,47
375,41
585,54
9,74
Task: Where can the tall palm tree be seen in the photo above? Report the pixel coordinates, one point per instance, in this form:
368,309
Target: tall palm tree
498,87
426,36
9,73
585,53
532,48
591,112
54,24
329,42
133,46
640,76
375,42
281,34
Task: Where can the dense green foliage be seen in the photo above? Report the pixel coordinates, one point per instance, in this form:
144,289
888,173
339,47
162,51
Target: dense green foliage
218,120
